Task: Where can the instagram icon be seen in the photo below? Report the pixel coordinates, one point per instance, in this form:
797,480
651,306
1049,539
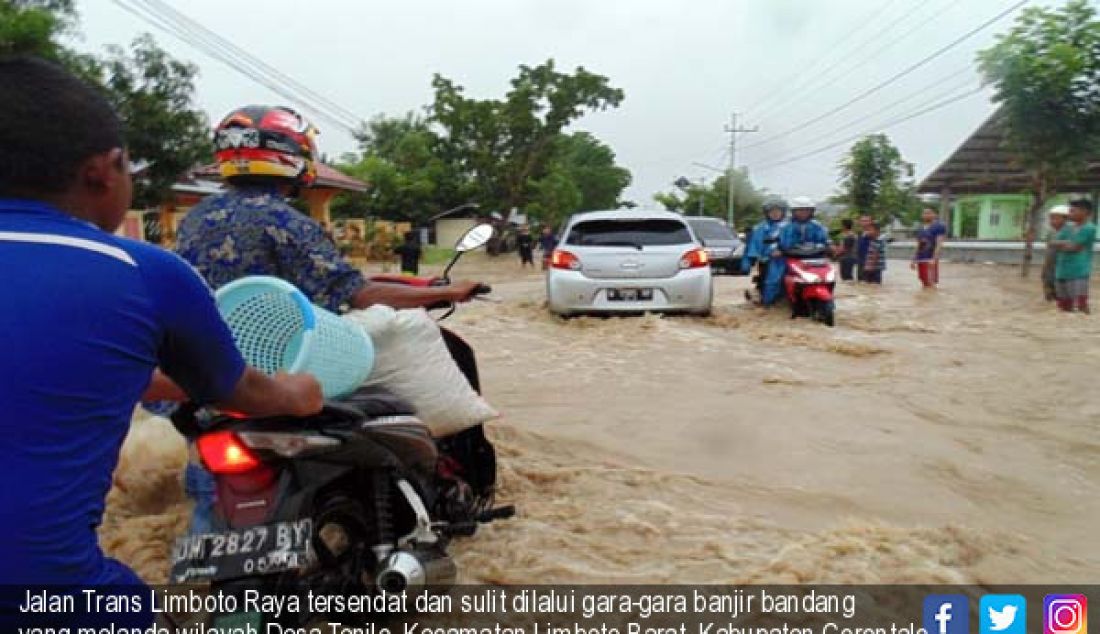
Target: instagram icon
1065,614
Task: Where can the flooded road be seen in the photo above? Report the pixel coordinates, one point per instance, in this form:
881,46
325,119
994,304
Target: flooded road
942,436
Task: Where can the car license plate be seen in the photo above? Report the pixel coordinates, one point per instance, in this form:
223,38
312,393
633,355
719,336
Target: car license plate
630,294
265,549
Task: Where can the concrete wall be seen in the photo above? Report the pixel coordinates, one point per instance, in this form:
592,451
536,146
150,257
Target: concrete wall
980,252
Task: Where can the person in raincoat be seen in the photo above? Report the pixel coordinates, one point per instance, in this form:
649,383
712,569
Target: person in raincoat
802,232
762,244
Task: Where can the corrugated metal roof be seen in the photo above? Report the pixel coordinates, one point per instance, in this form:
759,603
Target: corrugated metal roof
982,165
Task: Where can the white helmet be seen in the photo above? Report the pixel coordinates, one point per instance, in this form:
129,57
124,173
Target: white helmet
803,202
1059,210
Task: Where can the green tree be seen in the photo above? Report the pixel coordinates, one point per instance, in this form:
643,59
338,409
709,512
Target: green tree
1046,73
875,180
152,93
37,27
582,176
399,159
715,197
505,147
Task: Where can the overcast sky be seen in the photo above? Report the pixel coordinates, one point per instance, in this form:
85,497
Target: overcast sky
684,66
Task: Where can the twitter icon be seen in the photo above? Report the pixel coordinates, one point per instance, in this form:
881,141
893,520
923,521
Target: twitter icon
1003,614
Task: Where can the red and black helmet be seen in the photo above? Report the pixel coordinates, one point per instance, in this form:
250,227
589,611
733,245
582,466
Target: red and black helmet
266,141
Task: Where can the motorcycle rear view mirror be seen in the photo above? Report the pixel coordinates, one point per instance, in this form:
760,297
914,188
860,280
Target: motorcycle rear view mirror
475,238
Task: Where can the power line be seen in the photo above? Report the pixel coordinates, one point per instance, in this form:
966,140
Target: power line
889,124
893,78
812,78
259,63
823,79
218,48
818,59
884,109
237,62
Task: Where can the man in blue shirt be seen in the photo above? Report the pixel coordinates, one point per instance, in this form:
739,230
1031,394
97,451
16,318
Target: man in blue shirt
762,243
87,318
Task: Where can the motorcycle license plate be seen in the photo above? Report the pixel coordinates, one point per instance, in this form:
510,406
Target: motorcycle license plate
256,550
630,294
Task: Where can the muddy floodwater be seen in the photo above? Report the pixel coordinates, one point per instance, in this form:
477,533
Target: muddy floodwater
933,437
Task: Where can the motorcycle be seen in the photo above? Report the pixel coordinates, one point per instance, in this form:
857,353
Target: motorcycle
359,498
810,281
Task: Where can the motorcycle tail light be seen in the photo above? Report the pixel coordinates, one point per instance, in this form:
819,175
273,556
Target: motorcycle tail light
696,258
560,259
223,453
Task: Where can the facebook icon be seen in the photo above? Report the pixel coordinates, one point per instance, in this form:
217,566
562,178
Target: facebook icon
946,614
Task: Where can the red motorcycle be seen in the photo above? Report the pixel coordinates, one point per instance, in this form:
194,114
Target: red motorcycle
810,281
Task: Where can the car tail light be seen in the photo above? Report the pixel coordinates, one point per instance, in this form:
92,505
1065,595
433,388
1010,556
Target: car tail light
223,453
564,260
694,259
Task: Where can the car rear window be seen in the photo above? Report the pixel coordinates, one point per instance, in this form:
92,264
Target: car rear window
633,232
710,230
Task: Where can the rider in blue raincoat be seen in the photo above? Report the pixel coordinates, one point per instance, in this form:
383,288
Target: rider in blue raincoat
802,231
761,247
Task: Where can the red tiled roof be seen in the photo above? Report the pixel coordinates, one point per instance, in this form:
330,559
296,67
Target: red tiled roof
332,177
327,177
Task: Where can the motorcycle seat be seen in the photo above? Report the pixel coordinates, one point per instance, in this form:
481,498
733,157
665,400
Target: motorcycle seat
375,402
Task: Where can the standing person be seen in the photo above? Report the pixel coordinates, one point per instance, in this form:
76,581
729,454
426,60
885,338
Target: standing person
763,241
930,238
87,318
875,261
409,252
848,250
547,242
803,232
525,244
861,245
1057,217
1073,269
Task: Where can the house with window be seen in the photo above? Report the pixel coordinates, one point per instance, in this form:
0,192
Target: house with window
985,195
994,216
159,225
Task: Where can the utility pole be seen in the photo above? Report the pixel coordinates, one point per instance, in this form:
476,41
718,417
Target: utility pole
733,130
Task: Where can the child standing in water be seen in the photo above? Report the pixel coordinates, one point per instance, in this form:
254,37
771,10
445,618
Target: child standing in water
1057,217
875,262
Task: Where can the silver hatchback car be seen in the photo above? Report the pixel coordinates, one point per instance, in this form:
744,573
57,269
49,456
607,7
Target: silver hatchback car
629,261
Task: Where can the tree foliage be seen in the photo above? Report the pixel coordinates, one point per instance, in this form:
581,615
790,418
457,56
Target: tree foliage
499,153
152,93
748,200
504,147
399,159
1046,74
875,180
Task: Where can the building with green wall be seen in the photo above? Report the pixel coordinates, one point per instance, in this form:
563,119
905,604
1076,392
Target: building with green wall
982,189
994,216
